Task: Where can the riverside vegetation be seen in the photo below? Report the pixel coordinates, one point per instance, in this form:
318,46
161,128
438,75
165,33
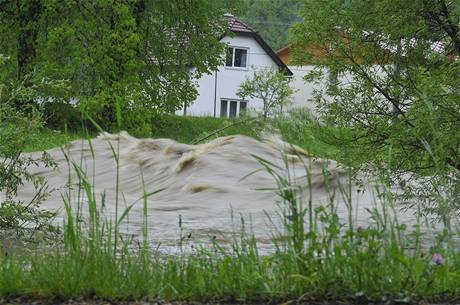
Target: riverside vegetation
328,259
404,122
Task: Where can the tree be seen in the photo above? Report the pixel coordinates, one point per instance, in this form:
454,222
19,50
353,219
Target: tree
272,19
135,54
270,86
403,88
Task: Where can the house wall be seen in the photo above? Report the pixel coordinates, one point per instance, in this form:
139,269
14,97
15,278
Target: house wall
224,83
303,96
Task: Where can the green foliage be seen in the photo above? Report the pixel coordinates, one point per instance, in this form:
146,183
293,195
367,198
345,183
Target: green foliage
299,127
134,55
271,18
20,219
33,88
330,258
395,92
271,87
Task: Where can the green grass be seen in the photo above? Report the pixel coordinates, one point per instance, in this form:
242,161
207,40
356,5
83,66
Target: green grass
182,129
190,129
298,130
330,259
45,138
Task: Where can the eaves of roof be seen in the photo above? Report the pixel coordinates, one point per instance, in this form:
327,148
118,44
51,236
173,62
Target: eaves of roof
240,28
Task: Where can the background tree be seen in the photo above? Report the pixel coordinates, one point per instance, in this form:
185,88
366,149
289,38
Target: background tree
402,92
270,86
134,54
272,19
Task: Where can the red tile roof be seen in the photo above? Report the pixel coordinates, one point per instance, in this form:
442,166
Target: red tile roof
236,25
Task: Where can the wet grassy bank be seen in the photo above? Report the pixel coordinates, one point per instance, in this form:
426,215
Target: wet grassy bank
301,131
317,256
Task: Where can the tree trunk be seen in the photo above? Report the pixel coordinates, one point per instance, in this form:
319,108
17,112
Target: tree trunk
28,19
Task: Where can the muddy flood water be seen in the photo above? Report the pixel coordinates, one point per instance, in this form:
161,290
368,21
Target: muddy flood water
208,186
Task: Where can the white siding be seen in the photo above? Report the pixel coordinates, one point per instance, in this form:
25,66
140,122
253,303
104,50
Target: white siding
224,83
303,96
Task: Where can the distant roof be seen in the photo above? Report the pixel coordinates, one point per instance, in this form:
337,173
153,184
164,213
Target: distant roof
236,25
241,28
284,48
436,46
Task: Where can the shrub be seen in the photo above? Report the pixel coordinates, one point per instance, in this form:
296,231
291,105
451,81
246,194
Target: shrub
21,218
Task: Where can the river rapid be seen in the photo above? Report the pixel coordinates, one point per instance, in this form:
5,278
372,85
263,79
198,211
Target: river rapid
205,189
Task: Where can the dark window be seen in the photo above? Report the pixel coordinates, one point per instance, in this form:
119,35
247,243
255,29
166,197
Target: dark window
223,108
230,108
240,58
243,106
233,105
229,57
236,57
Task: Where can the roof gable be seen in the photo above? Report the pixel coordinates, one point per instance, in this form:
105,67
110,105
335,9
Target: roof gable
240,28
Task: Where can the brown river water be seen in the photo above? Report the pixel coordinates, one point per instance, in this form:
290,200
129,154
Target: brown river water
210,186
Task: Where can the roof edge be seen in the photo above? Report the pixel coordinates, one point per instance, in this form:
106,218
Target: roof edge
246,30
286,47
281,65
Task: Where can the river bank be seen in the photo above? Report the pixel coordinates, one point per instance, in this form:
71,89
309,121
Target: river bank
120,196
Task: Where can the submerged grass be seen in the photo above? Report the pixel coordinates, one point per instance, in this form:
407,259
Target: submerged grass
317,256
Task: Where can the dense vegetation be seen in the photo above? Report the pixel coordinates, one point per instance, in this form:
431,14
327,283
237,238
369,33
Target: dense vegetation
272,19
396,88
110,53
69,69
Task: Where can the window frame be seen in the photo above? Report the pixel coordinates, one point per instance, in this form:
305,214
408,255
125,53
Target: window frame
238,107
233,67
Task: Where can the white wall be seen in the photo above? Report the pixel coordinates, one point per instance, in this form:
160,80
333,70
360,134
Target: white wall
303,97
224,83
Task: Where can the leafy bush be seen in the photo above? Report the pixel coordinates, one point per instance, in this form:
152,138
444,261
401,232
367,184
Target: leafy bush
62,115
19,119
22,218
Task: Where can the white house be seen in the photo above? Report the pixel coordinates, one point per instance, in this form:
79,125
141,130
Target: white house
304,90
246,52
